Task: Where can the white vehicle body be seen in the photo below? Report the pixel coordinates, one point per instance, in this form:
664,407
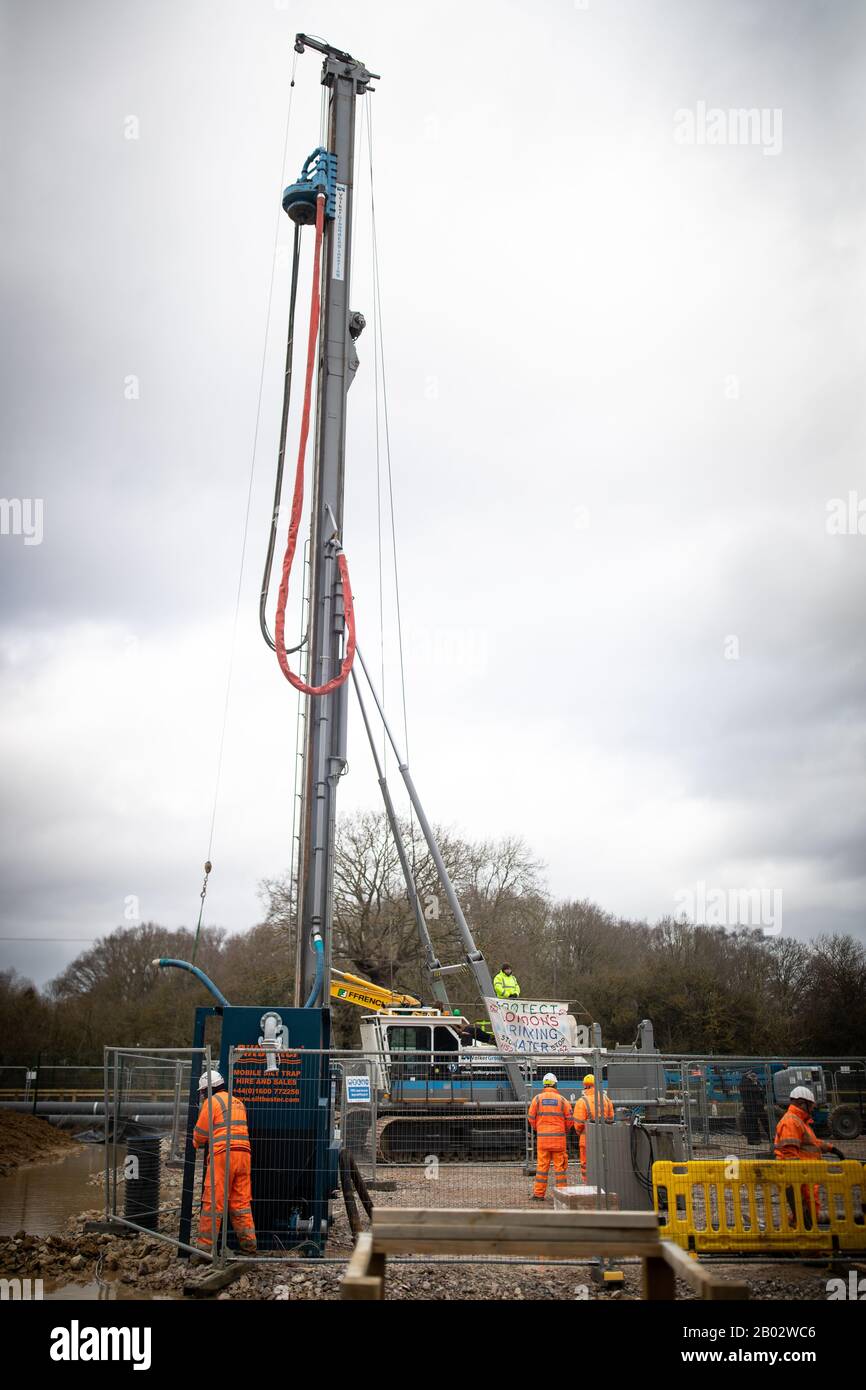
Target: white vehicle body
403,1034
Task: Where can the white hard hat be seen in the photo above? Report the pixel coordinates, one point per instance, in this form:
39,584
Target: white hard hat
215,1080
548,1079
802,1093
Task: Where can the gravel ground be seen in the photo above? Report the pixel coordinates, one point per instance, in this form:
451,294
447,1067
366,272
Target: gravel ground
148,1267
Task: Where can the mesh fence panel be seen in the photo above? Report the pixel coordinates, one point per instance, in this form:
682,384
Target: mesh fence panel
331,1131
148,1122
356,1115
49,1081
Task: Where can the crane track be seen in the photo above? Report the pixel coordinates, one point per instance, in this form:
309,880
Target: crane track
453,1138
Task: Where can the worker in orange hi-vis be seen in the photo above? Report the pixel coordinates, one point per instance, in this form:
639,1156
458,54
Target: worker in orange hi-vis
550,1117
585,1112
223,1125
797,1141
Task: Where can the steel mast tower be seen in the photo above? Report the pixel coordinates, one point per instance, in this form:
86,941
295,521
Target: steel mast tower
325,727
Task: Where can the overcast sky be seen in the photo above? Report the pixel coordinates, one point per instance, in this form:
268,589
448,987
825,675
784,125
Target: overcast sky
624,344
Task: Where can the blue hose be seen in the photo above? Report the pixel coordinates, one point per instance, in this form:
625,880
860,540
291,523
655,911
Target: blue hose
319,948
194,970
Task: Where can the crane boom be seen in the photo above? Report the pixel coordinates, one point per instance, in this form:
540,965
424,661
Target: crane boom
354,989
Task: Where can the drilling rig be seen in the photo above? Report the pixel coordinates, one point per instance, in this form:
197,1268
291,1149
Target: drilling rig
447,1105
285,1081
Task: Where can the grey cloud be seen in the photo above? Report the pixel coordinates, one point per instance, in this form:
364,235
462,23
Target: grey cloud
566,293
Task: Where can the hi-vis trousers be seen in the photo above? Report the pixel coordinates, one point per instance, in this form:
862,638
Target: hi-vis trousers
555,1148
240,1202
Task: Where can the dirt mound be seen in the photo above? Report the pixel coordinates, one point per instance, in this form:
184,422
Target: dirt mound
24,1139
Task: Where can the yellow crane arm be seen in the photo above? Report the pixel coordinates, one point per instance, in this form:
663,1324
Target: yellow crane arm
352,989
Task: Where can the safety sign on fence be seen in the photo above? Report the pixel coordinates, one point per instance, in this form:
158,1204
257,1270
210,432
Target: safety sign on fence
358,1089
528,1025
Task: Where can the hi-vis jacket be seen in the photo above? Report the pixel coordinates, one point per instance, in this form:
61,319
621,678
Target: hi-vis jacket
506,986
550,1114
223,1123
795,1137
584,1109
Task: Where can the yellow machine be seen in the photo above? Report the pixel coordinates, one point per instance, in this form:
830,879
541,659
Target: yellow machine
352,989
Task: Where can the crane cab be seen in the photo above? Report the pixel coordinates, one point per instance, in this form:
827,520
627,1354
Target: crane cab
418,1045
420,1054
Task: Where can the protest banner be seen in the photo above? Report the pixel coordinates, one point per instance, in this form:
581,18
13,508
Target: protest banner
528,1025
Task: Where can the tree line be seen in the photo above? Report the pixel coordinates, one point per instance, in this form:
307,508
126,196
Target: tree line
706,989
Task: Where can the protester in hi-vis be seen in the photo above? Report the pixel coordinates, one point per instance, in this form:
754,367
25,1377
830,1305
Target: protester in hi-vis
505,984
550,1116
214,1129
585,1113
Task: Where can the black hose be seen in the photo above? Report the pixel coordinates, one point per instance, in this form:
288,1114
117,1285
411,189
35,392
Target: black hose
644,1179
348,1194
360,1185
281,457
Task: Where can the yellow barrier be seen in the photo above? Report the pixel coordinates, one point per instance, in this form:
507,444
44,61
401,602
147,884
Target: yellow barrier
747,1205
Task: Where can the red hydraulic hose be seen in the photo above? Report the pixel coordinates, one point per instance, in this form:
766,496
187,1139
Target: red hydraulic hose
298,506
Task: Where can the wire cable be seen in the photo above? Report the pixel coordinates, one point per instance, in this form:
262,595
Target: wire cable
377,282
298,506
379,357
281,454
379,561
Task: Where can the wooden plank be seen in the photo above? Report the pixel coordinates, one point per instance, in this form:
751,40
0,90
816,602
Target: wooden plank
505,1231
364,1287
536,1235
467,1215
727,1289
365,1273
506,1235
416,1244
218,1278
384,1218
699,1278
659,1281
359,1264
